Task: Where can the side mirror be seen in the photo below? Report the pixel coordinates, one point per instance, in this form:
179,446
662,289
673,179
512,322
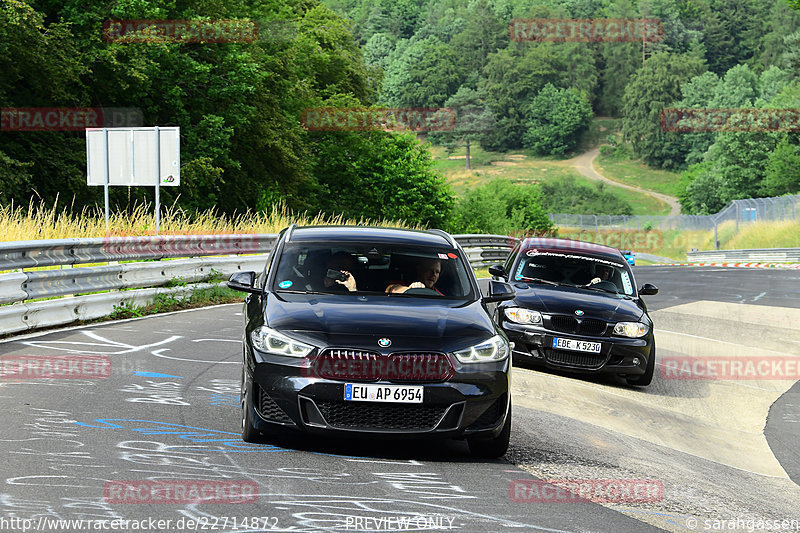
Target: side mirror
499,292
648,289
497,271
243,281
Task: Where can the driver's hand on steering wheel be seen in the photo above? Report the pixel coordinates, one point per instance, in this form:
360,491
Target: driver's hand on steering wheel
417,285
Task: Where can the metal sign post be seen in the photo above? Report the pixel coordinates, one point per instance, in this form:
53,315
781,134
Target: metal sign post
105,186
158,181
133,157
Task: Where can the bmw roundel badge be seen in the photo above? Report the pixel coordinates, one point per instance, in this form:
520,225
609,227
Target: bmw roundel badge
579,312
384,342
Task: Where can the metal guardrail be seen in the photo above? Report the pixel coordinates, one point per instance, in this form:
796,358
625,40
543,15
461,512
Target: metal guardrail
146,271
27,254
486,250
772,255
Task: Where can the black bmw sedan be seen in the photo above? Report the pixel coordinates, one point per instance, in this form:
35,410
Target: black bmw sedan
384,332
577,308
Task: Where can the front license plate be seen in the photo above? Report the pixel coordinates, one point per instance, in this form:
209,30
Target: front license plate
382,393
576,345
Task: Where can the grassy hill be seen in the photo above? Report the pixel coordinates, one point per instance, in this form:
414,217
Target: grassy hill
523,167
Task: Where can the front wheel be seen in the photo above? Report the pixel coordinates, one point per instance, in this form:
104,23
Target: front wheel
494,447
249,432
646,378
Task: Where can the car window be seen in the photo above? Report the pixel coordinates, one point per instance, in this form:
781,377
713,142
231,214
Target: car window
574,270
511,258
303,267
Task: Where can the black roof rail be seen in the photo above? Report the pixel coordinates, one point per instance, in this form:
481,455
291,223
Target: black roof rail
444,234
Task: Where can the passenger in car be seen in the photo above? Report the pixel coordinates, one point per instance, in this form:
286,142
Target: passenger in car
427,272
346,264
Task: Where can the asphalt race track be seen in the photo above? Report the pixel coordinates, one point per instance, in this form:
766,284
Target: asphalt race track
167,409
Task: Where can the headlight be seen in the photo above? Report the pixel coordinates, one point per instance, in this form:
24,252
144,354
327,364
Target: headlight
631,329
494,349
523,316
270,341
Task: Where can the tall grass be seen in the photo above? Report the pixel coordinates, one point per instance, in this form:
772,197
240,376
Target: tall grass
36,222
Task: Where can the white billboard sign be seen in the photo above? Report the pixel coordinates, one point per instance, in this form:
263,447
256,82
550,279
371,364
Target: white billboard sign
128,156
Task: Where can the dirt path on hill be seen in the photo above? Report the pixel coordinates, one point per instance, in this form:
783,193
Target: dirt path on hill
584,164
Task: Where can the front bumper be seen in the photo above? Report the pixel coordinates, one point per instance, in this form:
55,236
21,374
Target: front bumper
618,355
474,401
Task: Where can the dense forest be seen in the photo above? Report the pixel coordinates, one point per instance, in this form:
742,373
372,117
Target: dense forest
239,104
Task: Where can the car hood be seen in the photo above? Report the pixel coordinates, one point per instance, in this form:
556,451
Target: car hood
358,321
565,300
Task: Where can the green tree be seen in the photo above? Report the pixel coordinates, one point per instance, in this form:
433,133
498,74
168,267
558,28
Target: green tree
655,87
511,79
378,49
569,196
782,174
619,62
556,119
483,34
379,175
501,207
473,121
423,74
697,94
701,190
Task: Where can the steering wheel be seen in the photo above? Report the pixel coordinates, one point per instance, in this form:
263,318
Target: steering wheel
422,291
606,285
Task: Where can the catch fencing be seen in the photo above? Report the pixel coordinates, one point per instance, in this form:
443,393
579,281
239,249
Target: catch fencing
739,211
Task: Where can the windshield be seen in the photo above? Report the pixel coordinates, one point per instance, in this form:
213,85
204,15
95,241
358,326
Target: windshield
393,270
573,270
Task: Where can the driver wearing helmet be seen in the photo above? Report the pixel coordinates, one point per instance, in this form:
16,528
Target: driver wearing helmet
601,273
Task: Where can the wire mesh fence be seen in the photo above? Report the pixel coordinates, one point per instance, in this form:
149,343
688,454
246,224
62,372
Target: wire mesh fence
742,211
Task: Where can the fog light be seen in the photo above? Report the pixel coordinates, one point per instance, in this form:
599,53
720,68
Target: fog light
636,361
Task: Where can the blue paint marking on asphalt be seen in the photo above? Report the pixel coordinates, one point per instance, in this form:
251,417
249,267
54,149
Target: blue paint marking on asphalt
155,375
227,439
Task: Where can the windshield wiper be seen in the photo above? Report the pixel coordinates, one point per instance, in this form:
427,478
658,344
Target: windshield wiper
539,280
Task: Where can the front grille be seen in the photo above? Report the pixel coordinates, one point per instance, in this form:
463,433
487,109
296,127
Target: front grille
560,357
360,365
586,326
567,324
349,415
491,417
591,326
269,410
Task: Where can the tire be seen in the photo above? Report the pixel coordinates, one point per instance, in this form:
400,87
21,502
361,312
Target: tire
495,447
249,432
646,378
